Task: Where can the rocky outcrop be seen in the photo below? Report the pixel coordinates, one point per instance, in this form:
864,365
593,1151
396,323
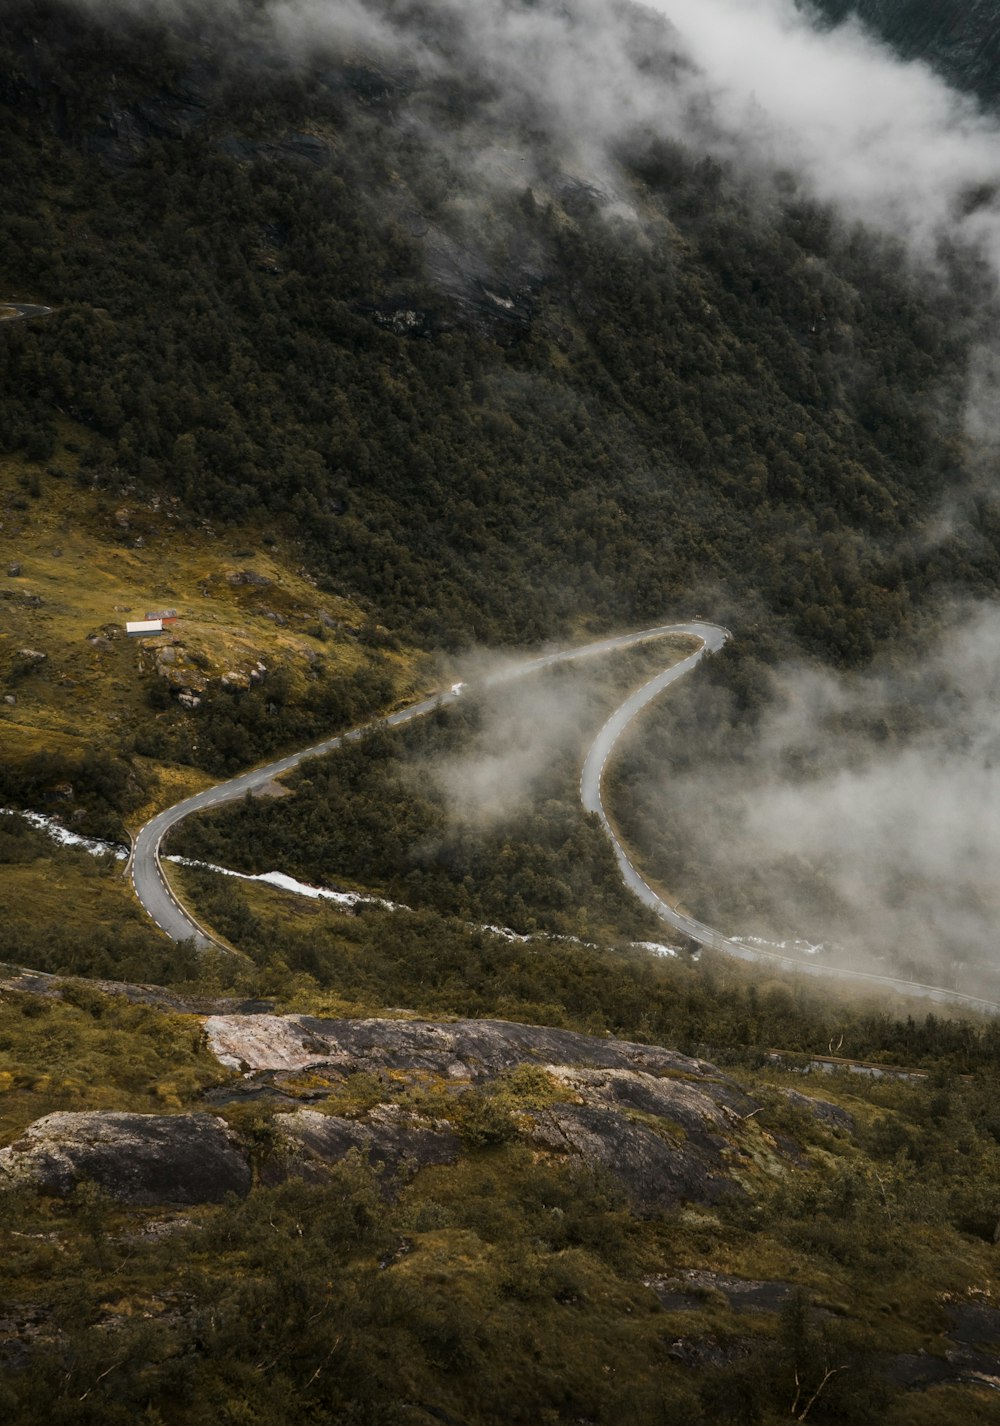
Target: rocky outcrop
134,1158
666,1140
473,1050
143,1159
668,1127
841,1121
393,1140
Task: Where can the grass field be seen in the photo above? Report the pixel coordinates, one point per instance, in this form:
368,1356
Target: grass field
75,565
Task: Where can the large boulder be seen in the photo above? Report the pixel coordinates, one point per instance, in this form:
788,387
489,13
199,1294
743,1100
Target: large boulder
134,1158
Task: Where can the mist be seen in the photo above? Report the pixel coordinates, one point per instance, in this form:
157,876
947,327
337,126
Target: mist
758,82
526,728
863,815
867,812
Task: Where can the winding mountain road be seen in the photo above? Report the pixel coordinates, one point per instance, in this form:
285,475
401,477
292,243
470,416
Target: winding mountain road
171,916
21,311
145,869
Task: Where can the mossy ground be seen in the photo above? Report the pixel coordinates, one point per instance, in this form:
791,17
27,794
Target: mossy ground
93,1051
509,1275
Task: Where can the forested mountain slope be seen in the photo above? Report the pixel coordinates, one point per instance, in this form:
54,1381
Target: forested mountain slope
960,38
313,289
364,354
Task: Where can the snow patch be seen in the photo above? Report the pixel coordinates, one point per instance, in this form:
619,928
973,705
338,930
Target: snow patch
655,949
298,888
804,948
65,837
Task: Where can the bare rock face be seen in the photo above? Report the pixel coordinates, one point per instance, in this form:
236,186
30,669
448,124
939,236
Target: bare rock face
134,1158
397,1142
461,1049
249,577
668,1127
667,1140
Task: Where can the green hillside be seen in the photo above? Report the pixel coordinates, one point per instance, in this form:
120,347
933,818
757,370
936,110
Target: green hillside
361,360
485,410
958,38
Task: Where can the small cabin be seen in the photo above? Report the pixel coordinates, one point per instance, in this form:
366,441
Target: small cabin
165,616
140,627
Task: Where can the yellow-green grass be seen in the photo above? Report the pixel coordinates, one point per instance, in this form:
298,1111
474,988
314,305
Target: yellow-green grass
971,1405
96,562
97,1052
71,890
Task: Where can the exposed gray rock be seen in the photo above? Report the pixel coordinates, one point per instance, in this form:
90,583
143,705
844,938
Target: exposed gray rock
143,1159
31,656
656,1170
14,570
668,1127
460,1049
832,1115
665,1139
691,1288
248,577
399,1142
134,1158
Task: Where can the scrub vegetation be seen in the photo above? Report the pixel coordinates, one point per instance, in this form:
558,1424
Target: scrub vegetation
473,811
360,409
511,1284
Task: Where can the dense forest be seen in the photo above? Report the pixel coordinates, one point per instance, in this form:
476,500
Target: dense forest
960,38
484,411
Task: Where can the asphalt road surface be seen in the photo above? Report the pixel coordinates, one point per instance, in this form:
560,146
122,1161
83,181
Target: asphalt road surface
152,890
591,796
146,872
20,311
